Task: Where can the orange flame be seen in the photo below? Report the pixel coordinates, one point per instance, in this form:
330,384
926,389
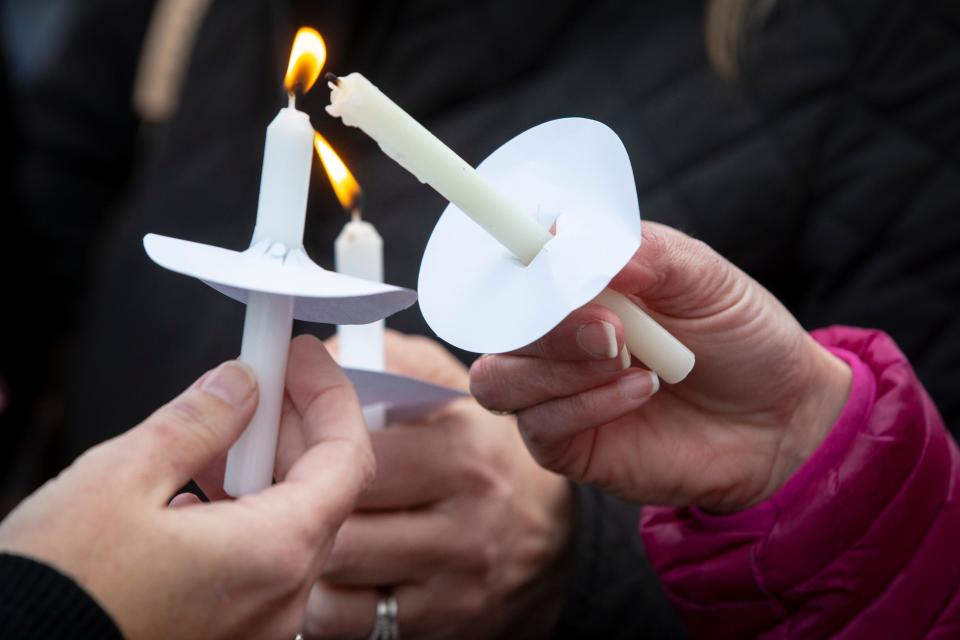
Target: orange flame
344,185
306,60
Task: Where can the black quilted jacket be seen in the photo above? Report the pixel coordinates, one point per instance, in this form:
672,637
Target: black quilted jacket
830,172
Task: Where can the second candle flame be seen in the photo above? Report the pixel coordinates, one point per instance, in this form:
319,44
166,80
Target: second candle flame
344,185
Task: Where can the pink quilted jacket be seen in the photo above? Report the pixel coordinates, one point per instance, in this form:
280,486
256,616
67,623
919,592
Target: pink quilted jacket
862,542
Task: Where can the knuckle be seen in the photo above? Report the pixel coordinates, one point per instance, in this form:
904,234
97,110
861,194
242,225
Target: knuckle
186,410
578,406
187,419
482,458
471,603
547,375
99,456
478,554
469,552
359,473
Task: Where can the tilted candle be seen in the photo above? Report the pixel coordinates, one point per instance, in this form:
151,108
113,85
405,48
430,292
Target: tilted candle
360,104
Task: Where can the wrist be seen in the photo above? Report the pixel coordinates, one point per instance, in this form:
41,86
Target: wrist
821,399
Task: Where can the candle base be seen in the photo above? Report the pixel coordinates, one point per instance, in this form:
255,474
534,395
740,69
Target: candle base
647,340
266,343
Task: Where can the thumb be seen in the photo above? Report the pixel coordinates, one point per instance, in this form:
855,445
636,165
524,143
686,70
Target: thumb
189,433
680,276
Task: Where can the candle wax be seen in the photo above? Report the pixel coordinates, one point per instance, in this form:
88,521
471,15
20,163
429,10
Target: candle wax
281,211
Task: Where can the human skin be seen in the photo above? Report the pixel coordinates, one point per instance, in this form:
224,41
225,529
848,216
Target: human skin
468,531
227,569
761,398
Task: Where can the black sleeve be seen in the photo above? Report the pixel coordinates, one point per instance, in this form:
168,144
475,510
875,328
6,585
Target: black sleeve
613,591
36,601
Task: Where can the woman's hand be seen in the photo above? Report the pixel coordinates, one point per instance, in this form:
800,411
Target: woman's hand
227,569
759,401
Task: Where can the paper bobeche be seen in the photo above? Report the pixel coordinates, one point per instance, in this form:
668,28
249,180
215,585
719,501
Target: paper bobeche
405,399
572,172
319,295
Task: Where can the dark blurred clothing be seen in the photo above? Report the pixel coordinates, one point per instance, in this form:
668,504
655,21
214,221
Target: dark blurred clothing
830,173
37,601
31,31
74,152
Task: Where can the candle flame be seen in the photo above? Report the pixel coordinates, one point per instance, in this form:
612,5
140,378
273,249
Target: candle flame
344,185
306,60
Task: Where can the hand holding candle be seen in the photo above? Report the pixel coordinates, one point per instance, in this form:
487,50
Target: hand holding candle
764,396
275,278
359,103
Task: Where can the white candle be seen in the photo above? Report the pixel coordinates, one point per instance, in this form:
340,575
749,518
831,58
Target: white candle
267,327
360,104
358,251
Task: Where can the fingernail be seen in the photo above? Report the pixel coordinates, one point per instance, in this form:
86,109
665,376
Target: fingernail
639,385
613,365
598,339
232,382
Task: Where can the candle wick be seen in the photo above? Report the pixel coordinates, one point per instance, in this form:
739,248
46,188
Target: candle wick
292,99
355,214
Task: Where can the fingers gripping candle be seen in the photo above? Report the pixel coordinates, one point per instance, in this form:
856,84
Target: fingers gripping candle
281,211
357,102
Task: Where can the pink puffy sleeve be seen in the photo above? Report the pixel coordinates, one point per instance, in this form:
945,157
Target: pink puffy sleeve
862,542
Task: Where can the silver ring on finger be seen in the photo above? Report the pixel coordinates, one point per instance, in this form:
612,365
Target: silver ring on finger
385,625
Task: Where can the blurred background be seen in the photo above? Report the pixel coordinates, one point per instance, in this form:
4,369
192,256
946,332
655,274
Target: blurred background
827,167
32,32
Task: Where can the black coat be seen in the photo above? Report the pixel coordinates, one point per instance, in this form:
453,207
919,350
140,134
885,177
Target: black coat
829,173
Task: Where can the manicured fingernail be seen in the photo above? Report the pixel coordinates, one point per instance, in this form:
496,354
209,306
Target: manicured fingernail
232,382
639,385
613,365
598,339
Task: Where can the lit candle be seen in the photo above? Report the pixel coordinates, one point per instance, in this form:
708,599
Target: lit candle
358,252
281,211
357,102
